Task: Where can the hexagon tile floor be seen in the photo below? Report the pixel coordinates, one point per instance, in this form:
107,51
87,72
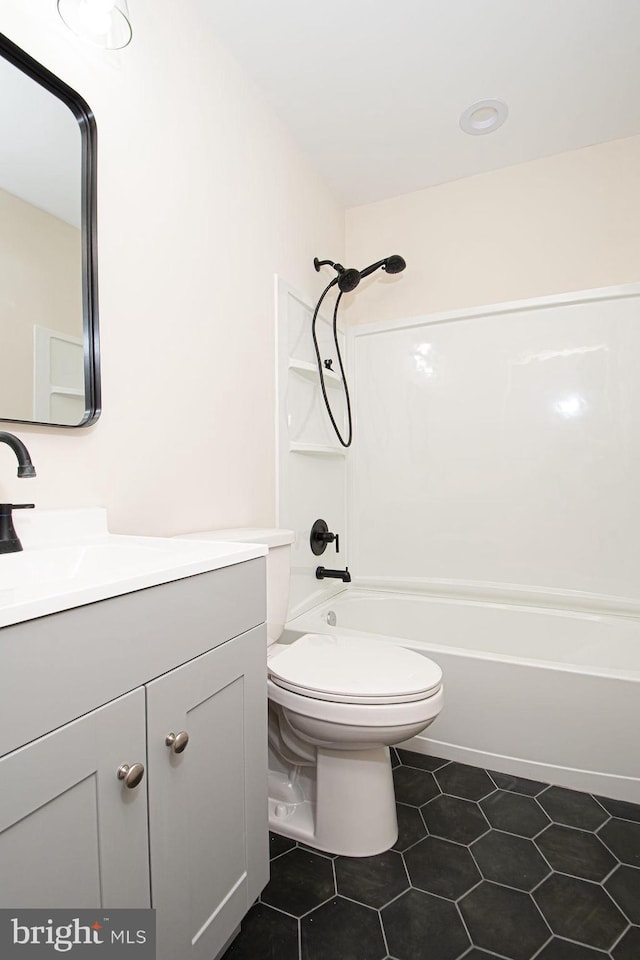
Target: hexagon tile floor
486,865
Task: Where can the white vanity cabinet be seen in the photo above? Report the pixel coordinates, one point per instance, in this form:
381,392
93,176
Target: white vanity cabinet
191,839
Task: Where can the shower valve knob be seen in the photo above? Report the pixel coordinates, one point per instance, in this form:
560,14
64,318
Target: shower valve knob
321,536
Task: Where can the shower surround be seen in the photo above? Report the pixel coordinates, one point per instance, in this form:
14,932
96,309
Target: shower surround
492,487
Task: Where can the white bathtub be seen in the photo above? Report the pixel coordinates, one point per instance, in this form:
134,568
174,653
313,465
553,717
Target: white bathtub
550,695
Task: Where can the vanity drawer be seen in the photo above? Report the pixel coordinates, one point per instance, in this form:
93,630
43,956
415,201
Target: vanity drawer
59,667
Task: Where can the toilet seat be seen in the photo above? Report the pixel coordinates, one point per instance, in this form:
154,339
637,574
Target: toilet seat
351,670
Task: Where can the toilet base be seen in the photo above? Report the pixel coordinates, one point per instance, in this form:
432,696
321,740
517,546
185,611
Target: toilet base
354,811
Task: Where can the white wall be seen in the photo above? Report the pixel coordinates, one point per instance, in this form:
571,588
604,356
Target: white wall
500,448
202,198
563,223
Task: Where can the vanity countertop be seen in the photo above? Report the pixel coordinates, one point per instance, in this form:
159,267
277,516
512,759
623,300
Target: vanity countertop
70,559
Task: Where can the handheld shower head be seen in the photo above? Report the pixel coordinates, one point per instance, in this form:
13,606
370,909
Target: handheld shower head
394,264
348,279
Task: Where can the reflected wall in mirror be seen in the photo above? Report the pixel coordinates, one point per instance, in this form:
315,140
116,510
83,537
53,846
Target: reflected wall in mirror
49,356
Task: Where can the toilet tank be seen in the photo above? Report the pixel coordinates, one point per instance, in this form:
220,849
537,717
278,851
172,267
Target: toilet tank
278,567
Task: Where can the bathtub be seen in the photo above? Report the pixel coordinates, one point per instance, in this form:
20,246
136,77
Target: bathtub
551,695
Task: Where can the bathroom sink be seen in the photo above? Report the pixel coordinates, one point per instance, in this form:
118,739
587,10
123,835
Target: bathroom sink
70,559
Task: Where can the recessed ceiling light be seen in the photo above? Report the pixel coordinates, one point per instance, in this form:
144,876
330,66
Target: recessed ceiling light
484,116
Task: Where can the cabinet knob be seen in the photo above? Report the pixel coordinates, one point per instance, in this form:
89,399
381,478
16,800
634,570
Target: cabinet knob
132,775
177,741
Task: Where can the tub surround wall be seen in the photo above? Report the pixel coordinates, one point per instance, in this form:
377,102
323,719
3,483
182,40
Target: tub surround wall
202,197
498,449
311,461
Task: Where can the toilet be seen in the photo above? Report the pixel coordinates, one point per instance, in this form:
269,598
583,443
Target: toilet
336,705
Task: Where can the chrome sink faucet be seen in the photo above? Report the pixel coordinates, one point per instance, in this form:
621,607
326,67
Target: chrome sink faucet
9,542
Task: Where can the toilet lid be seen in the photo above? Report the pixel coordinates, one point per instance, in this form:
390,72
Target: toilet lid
354,670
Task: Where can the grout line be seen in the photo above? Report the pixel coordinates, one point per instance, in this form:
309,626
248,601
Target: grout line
278,910
538,952
384,933
482,880
623,934
333,896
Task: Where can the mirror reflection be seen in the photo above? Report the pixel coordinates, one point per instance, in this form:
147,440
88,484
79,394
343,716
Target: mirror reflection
46,318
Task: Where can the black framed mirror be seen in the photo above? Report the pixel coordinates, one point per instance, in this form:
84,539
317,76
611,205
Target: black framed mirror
49,346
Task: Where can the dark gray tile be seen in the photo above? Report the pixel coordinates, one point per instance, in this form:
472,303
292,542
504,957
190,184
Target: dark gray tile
621,808
623,839
514,813
563,950
461,780
395,759
572,808
342,929
576,852
452,819
506,781
475,954
300,881
320,853
588,906
624,887
504,921
411,827
414,787
441,867
373,881
629,946
279,844
421,927
421,761
265,934
513,861
579,910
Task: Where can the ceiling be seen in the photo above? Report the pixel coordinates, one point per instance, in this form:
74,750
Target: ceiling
372,90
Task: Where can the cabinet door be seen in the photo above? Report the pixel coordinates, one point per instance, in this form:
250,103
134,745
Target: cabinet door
71,834
208,805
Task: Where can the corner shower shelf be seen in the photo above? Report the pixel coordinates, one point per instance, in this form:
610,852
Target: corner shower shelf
317,449
309,371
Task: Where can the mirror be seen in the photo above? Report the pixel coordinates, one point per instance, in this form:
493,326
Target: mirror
49,354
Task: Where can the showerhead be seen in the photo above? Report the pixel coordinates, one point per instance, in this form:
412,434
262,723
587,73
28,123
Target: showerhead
394,264
348,280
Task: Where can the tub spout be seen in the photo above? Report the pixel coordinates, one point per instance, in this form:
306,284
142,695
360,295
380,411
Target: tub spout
344,575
